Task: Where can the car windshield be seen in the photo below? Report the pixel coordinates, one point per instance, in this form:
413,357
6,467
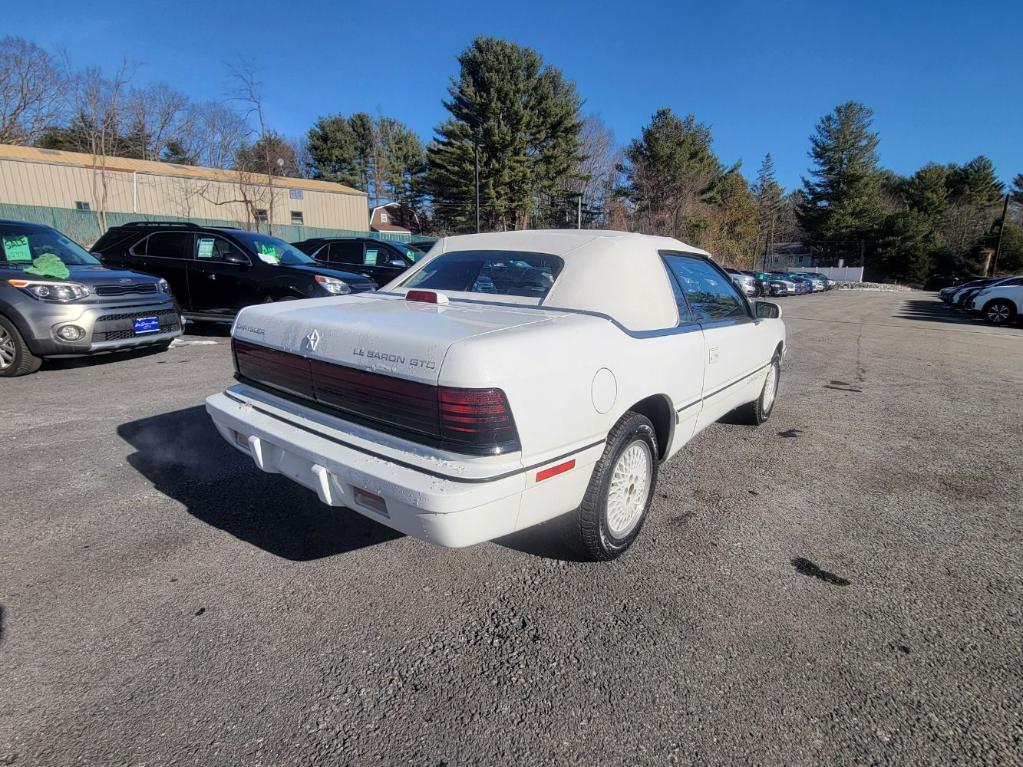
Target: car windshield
272,250
497,272
20,245
414,252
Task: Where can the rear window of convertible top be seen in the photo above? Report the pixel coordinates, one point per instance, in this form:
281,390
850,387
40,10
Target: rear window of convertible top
495,272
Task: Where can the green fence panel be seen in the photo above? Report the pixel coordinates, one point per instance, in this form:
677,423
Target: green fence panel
83,226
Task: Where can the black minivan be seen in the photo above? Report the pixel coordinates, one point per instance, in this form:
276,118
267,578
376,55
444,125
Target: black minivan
379,260
215,271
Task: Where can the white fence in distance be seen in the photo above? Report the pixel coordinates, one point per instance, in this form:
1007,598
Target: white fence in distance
841,273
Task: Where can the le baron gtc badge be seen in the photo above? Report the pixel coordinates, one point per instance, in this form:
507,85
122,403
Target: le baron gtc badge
313,340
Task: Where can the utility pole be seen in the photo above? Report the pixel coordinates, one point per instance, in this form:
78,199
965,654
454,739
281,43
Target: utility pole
579,211
1001,231
476,156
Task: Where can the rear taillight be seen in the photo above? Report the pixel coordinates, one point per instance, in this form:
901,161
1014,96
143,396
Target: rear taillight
478,418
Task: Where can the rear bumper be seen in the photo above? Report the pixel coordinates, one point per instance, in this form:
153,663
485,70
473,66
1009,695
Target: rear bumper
430,497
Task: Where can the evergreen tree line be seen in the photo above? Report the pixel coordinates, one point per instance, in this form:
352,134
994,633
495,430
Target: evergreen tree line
517,152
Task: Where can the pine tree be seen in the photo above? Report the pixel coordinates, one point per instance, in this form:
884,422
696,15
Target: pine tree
926,191
842,200
770,198
342,150
521,119
1017,189
975,184
670,173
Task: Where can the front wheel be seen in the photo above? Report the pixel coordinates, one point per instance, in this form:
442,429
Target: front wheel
999,312
16,359
620,491
758,411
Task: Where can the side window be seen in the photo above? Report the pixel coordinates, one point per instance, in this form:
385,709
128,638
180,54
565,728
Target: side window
685,313
169,245
346,252
711,294
139,248
209,248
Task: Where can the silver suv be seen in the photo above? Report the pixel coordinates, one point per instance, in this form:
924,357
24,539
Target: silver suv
57,300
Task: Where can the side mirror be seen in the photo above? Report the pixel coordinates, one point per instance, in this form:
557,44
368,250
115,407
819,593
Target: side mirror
232,257
398,262
766,310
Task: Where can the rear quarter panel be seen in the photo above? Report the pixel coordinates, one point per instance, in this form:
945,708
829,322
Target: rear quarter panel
547,371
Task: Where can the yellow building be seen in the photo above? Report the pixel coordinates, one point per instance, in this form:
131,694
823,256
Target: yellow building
47,178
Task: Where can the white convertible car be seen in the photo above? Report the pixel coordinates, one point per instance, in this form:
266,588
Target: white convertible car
504,380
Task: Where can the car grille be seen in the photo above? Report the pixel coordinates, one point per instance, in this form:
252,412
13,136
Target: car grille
121,335
125,290
137,315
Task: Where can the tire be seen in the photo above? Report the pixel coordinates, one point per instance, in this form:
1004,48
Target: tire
758,411
999,312
16,359
613,510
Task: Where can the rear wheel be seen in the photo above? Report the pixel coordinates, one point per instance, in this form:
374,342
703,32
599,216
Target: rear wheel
758,411
620,491
16,359
999,312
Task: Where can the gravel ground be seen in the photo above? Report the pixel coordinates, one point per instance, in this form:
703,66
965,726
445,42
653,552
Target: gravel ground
842,585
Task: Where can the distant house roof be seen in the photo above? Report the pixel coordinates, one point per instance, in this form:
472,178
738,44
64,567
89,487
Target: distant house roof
379,226
124,164
790,249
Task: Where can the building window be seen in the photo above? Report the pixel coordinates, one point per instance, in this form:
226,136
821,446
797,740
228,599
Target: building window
383,217
296,218
295,194
79,205
261,215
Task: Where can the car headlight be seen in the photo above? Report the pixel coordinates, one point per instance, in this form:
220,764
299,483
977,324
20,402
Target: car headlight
163,286
333,285
60,292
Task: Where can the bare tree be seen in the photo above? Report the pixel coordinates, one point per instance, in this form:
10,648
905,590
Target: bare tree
97,103
598,172
32,88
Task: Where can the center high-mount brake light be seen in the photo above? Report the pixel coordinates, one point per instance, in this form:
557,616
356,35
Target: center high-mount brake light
426,296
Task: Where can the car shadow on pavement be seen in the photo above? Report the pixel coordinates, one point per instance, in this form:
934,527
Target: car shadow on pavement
186,459
933,310
548,540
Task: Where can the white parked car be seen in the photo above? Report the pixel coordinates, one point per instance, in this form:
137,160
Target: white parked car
1000,302
504,380
743,281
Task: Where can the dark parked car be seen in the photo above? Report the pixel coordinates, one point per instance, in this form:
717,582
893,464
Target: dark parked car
379,260
57,300
215,271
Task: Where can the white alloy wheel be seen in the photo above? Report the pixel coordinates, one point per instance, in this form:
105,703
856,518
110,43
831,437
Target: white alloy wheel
6,348
629,489
770,388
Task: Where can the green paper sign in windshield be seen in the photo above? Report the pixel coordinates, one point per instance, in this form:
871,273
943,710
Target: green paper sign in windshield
269,253
17,249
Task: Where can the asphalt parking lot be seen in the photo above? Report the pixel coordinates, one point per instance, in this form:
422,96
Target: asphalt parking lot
842,585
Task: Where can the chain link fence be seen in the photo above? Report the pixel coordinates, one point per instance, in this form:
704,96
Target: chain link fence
83,226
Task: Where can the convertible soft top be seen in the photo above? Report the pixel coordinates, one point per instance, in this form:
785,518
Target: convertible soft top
619,274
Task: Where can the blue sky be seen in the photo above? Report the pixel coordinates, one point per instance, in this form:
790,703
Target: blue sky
940,76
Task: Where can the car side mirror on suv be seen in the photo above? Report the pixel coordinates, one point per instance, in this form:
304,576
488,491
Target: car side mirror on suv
238,259
766,310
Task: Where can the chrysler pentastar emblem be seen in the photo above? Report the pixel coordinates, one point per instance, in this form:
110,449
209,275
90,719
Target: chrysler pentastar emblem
313,339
